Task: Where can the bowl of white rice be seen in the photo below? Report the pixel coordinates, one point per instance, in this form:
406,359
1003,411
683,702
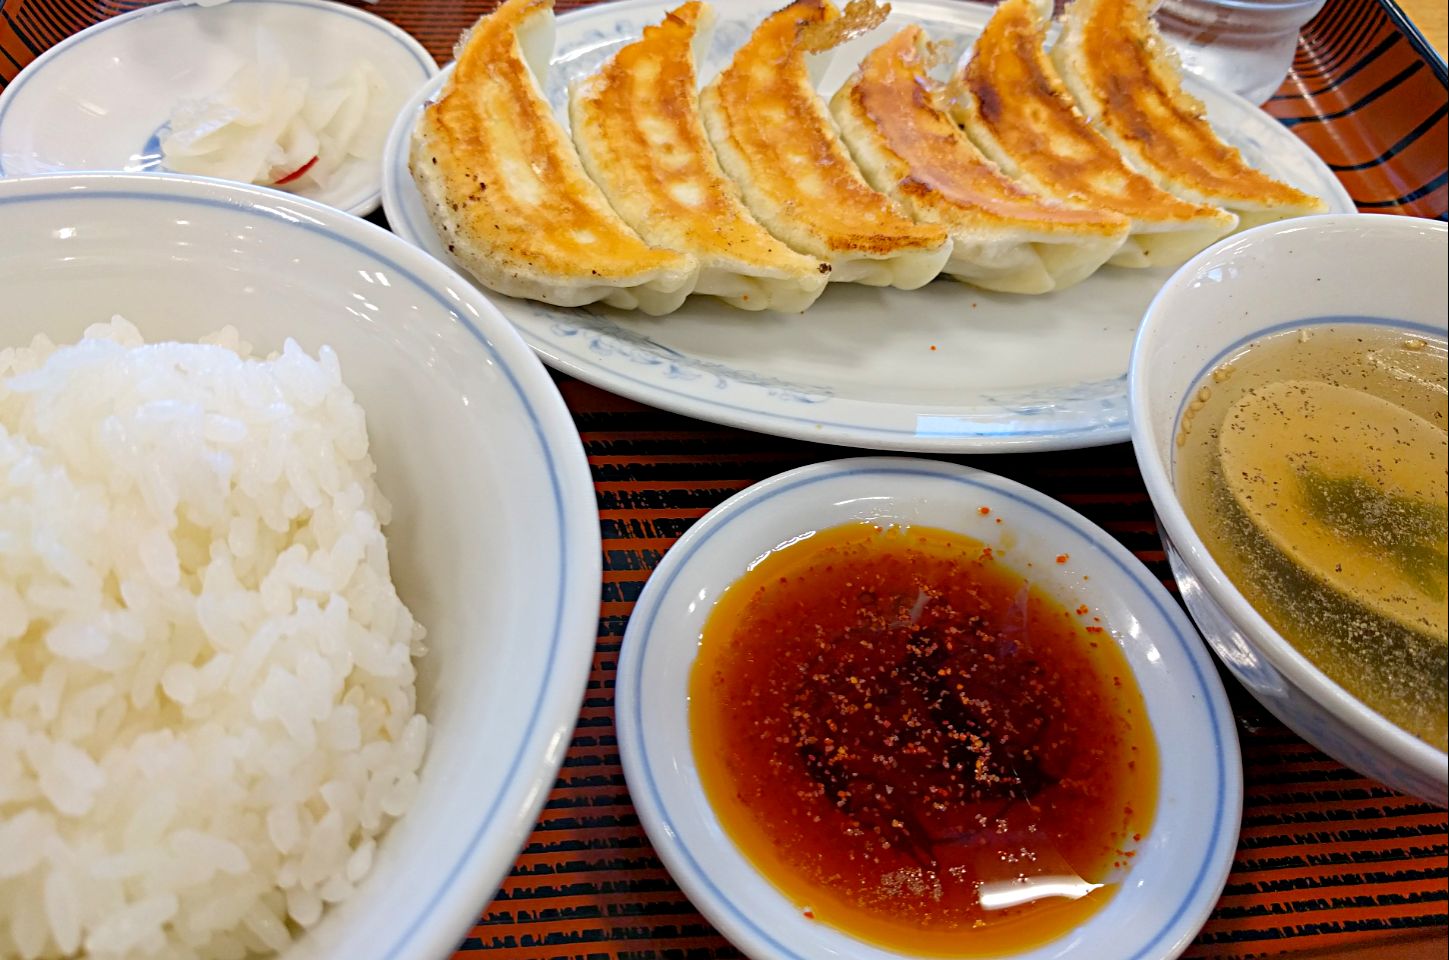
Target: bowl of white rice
299,576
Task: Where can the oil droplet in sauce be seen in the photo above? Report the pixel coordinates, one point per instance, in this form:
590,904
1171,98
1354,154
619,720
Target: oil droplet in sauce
918,745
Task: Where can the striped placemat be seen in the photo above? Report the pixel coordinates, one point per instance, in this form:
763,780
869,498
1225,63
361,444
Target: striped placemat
1328,862
1327,859
1369,98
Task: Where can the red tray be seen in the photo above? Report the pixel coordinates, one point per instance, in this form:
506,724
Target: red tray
1328,864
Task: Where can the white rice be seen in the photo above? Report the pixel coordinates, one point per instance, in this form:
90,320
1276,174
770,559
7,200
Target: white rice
207,708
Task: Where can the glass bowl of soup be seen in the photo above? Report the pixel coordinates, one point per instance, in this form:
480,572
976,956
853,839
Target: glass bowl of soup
1288,401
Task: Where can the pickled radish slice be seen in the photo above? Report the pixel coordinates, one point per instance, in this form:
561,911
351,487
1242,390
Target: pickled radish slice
271,126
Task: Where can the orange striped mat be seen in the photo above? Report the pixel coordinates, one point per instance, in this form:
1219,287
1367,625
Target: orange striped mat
1329,863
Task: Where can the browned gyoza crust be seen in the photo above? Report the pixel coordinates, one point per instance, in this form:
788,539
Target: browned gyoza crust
637,127
775,139
1125,77
505,188
1005,236
1014,106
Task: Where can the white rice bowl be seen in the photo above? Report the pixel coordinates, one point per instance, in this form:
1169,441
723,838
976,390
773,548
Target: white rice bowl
207,700
493,542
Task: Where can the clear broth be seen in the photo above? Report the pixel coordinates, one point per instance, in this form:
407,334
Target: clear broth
1393,661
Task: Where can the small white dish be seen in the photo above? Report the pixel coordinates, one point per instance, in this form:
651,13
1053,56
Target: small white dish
1377,270
946,368
98,100
1183,861
494,538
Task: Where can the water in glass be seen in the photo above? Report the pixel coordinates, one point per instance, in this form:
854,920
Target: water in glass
1245,46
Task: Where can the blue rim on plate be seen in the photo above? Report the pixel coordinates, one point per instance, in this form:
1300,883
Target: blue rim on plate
512,812
325,8
645,770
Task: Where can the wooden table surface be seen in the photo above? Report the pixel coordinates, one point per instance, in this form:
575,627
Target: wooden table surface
1432,19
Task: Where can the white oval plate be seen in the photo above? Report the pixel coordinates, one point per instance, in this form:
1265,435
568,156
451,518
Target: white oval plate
945,368
98,100
1181,865
494,537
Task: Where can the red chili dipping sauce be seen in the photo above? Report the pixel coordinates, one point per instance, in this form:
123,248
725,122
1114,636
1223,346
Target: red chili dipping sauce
917,745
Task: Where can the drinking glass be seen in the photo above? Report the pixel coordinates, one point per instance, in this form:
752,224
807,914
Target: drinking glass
1245,46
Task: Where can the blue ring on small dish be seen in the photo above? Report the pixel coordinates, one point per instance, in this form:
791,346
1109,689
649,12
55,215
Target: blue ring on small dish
1222,836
